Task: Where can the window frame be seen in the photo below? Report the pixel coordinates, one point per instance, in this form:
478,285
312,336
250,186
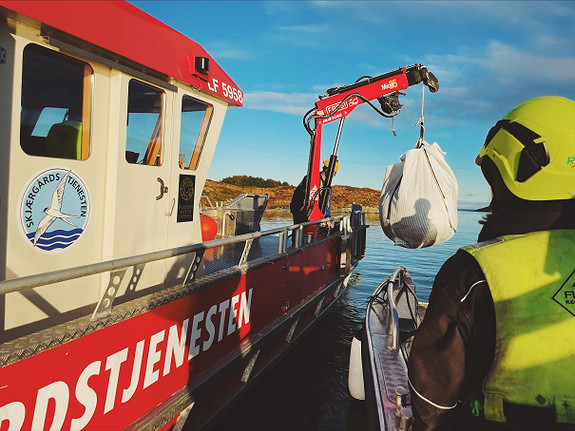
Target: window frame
154,151
202,133
30,113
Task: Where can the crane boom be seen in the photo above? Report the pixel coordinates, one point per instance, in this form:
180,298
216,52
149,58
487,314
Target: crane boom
339,102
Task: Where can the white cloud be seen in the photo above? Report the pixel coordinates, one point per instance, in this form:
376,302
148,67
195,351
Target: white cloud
278,8
287,103
526,14
457,91
226,51
303,28
513,66
486,81
476,84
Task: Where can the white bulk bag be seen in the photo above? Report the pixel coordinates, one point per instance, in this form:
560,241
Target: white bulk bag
418,203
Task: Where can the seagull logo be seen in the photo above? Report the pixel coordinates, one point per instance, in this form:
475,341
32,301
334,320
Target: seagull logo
55,210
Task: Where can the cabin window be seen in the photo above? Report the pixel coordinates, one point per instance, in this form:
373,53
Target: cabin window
55,107
144,124
196,117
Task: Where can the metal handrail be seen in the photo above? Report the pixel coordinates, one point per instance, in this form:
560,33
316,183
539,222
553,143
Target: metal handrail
31,281
396,277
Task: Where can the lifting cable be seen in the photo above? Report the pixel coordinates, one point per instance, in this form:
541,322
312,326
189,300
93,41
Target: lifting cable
420,121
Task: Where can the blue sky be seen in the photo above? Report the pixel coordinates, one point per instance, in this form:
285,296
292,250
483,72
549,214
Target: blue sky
488,57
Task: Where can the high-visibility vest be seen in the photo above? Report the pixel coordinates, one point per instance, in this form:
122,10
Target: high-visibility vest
532,281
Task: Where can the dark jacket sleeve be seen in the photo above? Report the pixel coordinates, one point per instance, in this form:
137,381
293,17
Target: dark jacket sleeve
297,204
453,348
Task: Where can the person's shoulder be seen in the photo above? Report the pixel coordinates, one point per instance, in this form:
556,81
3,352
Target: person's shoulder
458,274
459,262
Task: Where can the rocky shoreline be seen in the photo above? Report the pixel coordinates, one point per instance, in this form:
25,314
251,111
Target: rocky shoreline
280,197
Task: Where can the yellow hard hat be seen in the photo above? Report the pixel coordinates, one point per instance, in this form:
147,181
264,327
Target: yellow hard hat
326,164
533,148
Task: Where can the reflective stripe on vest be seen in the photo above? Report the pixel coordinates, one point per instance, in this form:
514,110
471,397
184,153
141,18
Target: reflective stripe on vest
532,281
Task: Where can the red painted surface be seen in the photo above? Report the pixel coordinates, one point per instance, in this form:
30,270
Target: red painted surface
110,378
370,91
123,29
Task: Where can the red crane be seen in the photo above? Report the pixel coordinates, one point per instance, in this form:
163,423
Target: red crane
336,104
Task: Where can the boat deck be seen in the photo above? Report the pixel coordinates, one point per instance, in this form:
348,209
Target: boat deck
217,259
259,249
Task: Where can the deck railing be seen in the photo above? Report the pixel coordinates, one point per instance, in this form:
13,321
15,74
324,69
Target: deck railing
302,235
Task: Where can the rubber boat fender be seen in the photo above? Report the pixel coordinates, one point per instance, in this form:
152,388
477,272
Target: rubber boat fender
209,227
355,372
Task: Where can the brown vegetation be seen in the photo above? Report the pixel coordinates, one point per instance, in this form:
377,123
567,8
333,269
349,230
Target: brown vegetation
280,197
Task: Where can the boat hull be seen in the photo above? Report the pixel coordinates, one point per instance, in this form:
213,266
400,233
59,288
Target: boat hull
151,359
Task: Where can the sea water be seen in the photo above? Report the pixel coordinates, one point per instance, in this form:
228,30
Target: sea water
307,389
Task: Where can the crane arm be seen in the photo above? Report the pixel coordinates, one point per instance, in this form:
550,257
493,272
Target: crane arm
339,102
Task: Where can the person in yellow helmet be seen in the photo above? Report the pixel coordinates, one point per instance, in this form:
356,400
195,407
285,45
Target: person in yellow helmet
497,343
297,204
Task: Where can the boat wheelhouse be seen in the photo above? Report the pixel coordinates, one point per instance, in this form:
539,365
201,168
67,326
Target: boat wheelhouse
114,314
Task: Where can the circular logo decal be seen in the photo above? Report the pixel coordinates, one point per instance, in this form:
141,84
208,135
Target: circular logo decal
55,209
187,189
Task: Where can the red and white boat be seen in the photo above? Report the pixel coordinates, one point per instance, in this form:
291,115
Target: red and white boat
114,313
